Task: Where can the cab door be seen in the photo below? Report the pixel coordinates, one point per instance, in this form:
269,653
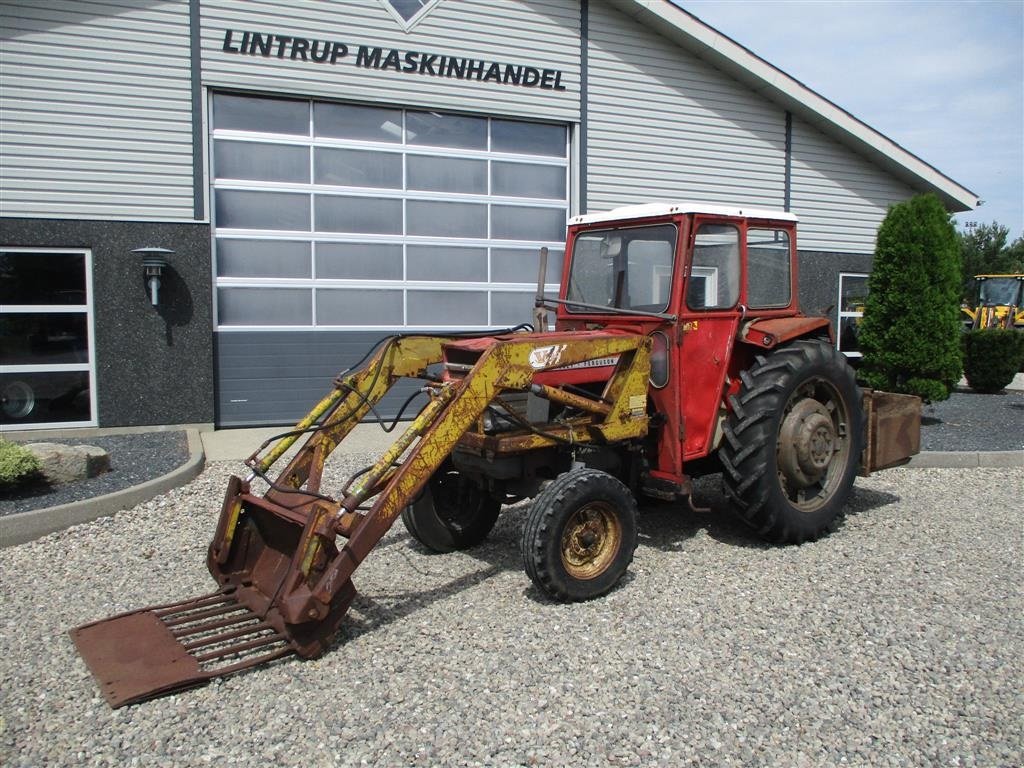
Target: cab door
709,319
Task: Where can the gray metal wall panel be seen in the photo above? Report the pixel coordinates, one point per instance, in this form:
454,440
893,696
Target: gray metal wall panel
663,125
97,109
840,197
539,33
272,377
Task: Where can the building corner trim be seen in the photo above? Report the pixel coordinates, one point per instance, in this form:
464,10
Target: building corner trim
196,62
787,189
584,44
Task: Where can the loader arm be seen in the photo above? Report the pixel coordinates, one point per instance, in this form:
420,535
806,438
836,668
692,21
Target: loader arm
284,561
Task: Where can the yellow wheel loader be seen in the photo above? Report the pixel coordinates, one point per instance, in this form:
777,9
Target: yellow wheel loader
1000,303
677,350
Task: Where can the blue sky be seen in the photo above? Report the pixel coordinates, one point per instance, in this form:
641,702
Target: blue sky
943,79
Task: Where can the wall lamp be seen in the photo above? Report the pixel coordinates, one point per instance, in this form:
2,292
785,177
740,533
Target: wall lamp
153,262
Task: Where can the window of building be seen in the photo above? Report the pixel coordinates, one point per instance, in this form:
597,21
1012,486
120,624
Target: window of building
347,217
47,366
853,292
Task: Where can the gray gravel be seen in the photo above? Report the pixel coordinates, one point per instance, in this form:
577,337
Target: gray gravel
968,421
134,459
896,641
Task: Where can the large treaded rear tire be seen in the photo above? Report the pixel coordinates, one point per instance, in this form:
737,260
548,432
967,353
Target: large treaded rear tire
580,535
451,513
793,442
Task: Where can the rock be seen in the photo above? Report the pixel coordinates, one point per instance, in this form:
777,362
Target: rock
61,463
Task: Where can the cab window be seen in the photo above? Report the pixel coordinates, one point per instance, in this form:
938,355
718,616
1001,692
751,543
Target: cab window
715,273
768,268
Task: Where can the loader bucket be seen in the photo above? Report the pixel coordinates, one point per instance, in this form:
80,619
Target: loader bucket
161,649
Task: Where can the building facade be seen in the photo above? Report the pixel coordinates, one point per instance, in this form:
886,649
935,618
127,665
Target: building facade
329,172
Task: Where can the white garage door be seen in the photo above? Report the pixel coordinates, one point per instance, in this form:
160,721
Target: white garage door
337,216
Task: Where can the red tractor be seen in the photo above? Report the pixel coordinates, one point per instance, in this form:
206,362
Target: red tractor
678,350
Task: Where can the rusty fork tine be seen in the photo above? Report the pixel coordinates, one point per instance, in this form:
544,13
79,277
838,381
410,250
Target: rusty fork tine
223,636
232,649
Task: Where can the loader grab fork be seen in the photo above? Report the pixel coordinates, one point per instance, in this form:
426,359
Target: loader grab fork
284,560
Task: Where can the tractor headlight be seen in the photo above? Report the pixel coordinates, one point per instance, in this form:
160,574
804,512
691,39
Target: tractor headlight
659,359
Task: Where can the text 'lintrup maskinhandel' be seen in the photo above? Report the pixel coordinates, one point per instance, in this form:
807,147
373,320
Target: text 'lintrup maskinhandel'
271,45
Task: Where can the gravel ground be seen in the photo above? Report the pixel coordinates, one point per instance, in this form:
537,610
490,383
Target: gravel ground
896,641
134,459
968,421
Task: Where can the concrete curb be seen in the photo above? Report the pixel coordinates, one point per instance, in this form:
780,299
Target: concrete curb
965,459
26,526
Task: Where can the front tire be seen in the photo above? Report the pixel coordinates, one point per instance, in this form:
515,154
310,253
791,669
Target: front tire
451,513
580,535
792,443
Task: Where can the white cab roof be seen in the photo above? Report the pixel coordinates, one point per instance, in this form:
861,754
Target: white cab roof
667,209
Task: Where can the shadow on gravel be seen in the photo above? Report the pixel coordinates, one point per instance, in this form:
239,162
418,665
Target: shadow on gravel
664,526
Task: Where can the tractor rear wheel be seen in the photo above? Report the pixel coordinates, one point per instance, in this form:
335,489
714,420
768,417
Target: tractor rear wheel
793,441
451,513
580,535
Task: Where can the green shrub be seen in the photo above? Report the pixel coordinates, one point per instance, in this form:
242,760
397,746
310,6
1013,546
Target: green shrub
910,335
991,358
17,464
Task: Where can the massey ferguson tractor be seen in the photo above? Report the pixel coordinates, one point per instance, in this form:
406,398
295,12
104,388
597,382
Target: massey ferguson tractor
678,350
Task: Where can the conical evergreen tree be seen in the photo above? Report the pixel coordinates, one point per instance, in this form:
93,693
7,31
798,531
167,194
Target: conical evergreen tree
910,335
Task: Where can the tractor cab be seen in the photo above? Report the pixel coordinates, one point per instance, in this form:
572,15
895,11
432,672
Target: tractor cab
711,285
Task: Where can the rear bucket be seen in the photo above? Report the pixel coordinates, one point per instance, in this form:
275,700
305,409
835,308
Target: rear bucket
259,557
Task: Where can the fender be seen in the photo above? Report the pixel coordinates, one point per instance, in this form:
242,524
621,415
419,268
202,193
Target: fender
768,333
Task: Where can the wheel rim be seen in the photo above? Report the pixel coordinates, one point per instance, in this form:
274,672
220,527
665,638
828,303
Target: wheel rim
18,400
814,445
591,540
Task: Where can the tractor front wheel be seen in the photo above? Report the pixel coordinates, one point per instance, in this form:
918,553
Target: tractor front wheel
793,440
580,535
451,513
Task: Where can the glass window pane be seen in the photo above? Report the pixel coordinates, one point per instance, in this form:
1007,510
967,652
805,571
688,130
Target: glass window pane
237,209
528,138
849,331
41,398
358,168
42,278
250,113
447,174
446,219
348,121
510,222
358,307
445,309
438,262
263,258
520,265
854,292
768,265
367,215
262,162
716,262
508,309
265,306
44,338
628,268
432,129
525,180
359,261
